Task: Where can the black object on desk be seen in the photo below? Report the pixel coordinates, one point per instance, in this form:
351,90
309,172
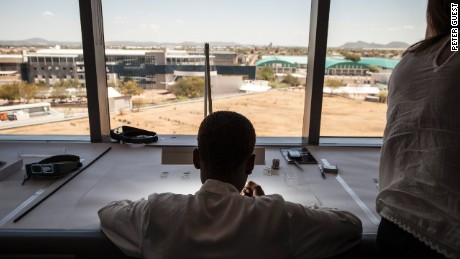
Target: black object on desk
53,166
128,134
298,156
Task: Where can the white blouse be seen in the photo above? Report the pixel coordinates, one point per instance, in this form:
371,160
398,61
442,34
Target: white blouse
420,160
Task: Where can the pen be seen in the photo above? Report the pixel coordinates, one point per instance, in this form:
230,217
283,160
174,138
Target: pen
322,171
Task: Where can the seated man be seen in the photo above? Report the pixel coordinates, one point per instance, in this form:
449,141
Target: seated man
219,222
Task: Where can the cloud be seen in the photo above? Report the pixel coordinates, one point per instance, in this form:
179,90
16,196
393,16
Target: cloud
120,19
48,14
179,21
150,26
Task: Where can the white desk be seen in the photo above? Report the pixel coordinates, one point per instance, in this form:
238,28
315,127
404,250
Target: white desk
134,171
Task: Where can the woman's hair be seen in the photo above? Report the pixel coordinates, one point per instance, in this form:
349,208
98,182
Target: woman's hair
438,23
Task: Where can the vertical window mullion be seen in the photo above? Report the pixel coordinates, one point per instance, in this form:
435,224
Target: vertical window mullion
317,47
95,75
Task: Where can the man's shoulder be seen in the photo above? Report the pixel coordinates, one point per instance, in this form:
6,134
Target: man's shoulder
276,197
168,196
168,201
269,200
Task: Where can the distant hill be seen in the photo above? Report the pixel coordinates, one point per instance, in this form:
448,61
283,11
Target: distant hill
36,42
372,45
44,42
185,43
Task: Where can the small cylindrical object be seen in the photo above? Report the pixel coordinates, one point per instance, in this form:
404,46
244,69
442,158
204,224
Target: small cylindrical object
275,163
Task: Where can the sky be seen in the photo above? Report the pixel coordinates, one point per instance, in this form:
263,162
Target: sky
260,22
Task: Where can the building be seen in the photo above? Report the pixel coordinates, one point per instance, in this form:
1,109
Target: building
118,102
341,66
221,57
149,68
284,64
337,68
52,65
11,66
333,66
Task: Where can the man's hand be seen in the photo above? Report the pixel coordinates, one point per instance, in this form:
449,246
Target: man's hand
252,189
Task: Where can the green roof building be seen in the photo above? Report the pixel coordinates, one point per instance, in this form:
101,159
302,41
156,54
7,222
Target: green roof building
333,65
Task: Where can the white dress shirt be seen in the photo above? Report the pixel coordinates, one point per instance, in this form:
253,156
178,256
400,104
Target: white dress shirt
218,222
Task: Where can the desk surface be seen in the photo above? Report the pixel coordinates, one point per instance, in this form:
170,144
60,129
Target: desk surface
134,171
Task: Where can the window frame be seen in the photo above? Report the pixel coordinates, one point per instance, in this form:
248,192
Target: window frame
91,21
92,31
93,50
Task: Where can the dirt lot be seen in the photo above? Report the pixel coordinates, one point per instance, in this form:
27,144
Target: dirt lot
273,113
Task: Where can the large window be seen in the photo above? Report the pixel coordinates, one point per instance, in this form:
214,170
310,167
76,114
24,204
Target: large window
365,41
154,65
155,62
40,60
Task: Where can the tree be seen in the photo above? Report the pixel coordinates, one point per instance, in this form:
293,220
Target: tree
374,69
27,91
42,84
43,90
9,92
351,57
81,92
59,92
333,84
112,84
265,73
68,83
60,83
130,88
73,83
190,87
127,78
290,80
383,94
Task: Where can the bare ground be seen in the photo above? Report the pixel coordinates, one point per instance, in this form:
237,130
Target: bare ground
273,113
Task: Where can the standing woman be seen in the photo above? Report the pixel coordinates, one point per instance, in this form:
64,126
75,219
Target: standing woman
419,198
